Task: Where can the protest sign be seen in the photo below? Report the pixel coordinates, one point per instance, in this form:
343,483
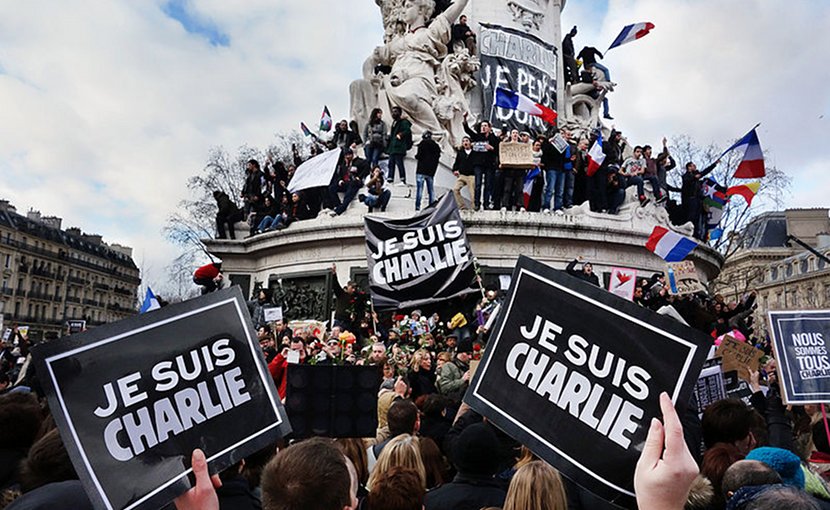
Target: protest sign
709,388
622,282
76,326
518,61
315,172
559,142
333,400
272,313
419,260
317,329
23,330
575,374
739,356
681,278
133,399
7,334
504,281
516,155
799,339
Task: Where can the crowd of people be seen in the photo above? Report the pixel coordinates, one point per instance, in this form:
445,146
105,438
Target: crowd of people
432,451
556,179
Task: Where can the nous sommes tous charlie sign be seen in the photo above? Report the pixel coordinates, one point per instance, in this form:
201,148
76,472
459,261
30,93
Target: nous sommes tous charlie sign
133,399
575,373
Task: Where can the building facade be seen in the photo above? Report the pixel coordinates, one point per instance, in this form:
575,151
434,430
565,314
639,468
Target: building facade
784,275
51,276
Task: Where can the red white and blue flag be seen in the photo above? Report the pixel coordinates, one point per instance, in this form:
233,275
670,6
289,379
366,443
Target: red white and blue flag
632,33
752,164
670,246
511,100
595,157
527,188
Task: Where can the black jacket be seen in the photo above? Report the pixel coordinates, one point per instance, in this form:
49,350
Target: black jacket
361,167
588,55
592,278
483,157
234,494
226,206
466,493
691,182
464,163
428,156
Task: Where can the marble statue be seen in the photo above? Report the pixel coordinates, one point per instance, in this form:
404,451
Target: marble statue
529,13
427,82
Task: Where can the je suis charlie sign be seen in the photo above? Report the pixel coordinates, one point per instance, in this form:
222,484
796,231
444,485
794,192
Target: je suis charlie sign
133,399
575,373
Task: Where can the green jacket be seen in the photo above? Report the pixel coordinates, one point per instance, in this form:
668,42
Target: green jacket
404,127
450,382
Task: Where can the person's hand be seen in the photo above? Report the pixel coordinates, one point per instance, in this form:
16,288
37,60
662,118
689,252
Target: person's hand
466,376
202,496
666,467
579,258
400,387
455,174
664,141
488,146
754,379
772,374
398,136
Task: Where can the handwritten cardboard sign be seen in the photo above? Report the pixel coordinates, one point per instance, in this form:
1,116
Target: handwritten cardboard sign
681,278
516,155
738,356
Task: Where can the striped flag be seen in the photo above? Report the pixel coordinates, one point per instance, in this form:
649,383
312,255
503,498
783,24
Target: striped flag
306,131
527,188
748,191
150,303
595,157
752,164
514,101
325,120
669,245
632,33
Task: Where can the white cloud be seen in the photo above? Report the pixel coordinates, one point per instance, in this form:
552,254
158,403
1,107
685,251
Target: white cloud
108,107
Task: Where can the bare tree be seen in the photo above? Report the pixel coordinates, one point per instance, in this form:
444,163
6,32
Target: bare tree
195,218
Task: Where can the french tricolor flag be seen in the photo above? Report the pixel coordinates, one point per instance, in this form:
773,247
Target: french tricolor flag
510,100
527,188
671,246
752,164
632,33
595,156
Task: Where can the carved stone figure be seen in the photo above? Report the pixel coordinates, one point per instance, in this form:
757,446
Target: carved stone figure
527,12
412,70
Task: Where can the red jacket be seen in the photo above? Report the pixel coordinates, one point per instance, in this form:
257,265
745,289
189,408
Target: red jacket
279,372
208,271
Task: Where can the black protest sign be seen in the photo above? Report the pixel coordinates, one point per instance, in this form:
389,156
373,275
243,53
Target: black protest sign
516,61
333,400
419,260
710,387
800,339
133,399
575,373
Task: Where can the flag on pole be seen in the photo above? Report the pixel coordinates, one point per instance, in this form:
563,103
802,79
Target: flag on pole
150,303
632,33
306,131
325,120
514,101
748,191
527,188
713,201
595,157
670,246
752,164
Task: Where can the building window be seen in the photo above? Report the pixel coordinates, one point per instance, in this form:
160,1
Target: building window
821,263
7,264
805,266
773,273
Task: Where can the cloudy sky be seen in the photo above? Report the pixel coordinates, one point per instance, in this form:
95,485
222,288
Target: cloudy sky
106,107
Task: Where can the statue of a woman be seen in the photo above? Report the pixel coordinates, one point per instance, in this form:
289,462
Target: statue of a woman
414,58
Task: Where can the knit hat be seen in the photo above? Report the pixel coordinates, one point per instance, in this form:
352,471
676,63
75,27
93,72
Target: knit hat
474,452
784,462
465,345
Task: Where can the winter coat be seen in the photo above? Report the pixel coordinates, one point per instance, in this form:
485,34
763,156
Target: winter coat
404,128
428,156
374,135
464,163
466,493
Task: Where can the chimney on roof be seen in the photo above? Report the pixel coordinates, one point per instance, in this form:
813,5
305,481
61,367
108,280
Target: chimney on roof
92,238
5,205
823,240
126,250
52,221
75,231
33,215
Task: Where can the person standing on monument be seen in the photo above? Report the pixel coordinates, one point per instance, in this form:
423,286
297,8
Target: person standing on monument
513,181
569,57
691,196
374,137
556,164
428,156
485,152
465,174
400,141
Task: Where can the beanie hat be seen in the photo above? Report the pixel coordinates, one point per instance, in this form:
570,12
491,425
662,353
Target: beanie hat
784,462
475,449
465,345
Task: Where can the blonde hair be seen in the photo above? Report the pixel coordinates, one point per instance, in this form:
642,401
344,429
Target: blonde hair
538,486
403,451
415,365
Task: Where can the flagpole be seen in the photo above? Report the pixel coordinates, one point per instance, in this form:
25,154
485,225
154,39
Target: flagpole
733,146
492,107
